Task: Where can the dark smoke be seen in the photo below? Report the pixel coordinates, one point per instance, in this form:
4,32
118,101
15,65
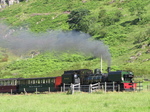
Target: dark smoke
22,41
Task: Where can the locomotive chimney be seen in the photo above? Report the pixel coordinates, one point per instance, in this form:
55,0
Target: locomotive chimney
108,69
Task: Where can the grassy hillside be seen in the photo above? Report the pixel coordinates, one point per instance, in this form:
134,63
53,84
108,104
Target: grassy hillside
123,25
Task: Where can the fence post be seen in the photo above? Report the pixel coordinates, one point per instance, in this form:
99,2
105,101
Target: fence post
118,87
102,87
61,88
36,90
49,89
133,86
148,87
79,87
90,88
113,86
24,90
72,88
64,87
11,91
105,87
139,86
99,85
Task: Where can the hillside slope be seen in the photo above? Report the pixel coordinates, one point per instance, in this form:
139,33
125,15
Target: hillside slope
122,25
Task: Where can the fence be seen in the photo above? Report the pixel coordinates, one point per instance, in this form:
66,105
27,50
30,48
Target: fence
75,87
105,86
139,86
90,88
148,87
95,86
66,87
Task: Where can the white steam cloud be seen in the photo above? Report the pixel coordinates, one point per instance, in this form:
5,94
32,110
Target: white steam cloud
21,41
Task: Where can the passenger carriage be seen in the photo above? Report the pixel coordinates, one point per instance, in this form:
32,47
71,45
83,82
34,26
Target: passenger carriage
38,84
8,85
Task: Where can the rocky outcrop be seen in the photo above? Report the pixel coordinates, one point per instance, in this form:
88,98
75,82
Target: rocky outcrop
5,3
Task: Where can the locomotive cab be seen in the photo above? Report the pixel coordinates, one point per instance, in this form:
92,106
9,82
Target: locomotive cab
128,77
124,78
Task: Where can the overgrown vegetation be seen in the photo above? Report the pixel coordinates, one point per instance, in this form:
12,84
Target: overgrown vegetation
123,25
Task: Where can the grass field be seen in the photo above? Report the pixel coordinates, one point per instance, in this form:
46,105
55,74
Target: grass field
79,102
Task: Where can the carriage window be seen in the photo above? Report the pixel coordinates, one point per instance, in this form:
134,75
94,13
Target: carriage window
49,81
15,82
18,82
8,82
22,82
43,81
38,81
28,81
11,82
33,81
52,81
1,83
5,83
46,81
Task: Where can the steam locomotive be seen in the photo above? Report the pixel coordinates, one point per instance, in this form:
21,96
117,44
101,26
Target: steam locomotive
83,76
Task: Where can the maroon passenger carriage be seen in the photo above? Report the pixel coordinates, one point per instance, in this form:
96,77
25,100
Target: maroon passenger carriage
8,85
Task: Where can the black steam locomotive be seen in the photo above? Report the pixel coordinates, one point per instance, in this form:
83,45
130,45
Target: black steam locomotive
85,77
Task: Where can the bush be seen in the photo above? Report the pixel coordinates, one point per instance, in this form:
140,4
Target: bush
142,36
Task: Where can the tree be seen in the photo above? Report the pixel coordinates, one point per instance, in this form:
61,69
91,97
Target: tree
77,20
109,18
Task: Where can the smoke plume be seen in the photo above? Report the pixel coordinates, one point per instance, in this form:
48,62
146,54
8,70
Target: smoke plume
21,41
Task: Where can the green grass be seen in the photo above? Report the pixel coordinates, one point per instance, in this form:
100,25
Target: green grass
79,102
